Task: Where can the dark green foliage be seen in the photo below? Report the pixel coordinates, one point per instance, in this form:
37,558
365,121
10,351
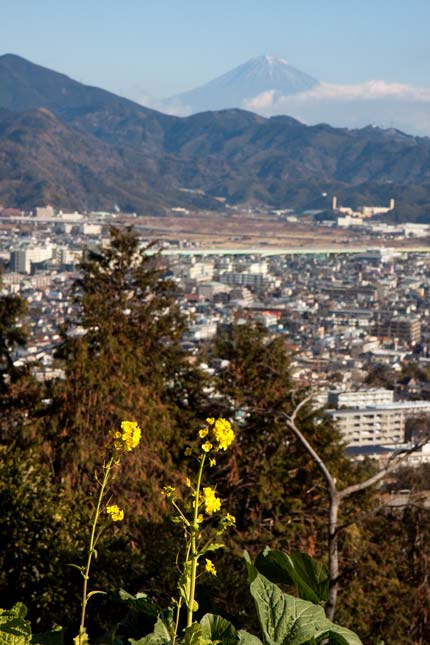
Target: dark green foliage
19,393
126,363
310,578
40,532
12,334
272,485
267,479
282,618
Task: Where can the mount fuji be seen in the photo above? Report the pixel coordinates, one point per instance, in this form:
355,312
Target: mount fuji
269,86
242,84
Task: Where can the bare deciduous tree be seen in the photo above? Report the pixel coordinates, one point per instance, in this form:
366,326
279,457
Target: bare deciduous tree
337,496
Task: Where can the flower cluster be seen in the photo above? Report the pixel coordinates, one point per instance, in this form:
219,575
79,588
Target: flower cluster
128,438
210,567
116,513
228,520
223,433
211,501
202,504
218,435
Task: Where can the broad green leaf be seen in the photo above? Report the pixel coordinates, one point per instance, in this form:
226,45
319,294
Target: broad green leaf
160,636
216,628
141,603
14,628
286,620
245,638
194,636
310,578
53,637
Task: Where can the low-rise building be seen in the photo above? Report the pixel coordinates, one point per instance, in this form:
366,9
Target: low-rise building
378,424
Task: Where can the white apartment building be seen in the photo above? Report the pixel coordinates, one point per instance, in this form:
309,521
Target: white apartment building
359,398
378,424
245,279
22,259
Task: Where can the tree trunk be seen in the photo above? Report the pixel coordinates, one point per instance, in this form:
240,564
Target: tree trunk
333,556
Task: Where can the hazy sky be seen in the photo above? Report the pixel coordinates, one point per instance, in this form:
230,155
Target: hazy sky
162,47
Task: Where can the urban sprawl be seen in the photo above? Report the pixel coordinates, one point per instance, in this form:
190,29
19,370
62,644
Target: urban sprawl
355,325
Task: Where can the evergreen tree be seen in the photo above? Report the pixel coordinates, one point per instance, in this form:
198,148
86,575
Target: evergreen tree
269,482
123,360
272,484
18,390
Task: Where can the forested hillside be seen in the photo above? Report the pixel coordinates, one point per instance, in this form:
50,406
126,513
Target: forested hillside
81,147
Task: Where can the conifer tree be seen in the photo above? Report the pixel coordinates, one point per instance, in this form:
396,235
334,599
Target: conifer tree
20,394
269,483
123,360
272,482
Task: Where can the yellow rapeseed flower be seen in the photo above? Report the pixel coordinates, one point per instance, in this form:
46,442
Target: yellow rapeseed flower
169,492
131,434
116,513
229,520
210,421
203,432
223,433
212,462
115,436
207,446
211,501
210,567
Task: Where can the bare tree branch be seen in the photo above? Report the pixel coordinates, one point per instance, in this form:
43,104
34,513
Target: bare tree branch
291,423
336,496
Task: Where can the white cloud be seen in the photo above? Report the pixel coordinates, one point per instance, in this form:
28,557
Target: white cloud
261,102
387,104
368,91
175,108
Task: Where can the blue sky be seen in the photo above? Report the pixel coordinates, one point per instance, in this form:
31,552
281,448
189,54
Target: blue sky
162,47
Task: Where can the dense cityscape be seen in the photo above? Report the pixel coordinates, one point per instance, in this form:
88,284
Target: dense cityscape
346,318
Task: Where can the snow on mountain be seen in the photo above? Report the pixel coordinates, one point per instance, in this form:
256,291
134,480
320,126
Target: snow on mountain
269,86
243,83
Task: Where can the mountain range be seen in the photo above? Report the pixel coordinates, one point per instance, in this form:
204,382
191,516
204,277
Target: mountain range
75,146
270,86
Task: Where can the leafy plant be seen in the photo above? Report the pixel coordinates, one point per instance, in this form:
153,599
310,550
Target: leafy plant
15,629
122,440
215,436
289,620
310,578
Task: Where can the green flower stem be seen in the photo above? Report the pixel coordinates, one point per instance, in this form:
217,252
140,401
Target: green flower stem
193,545
178,613
181,515
93,541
